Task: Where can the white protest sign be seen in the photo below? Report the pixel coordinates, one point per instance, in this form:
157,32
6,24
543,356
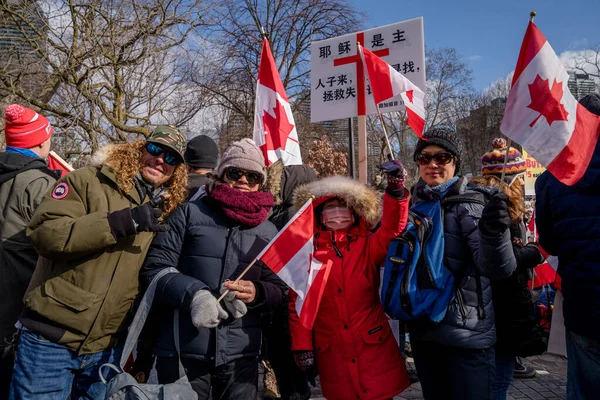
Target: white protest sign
336,69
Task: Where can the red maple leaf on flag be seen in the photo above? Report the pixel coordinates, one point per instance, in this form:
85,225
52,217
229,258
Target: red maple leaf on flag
410,94
546,100
278,128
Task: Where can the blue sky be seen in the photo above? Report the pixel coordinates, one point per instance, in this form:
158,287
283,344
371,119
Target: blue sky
488,33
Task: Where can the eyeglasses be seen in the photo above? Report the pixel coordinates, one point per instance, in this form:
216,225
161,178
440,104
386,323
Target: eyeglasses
169,157
439,158
235,174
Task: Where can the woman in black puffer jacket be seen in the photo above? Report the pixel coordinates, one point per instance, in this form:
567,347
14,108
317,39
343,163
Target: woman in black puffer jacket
513,304
455,358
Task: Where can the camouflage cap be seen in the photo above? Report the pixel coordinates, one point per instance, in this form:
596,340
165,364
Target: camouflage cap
170,137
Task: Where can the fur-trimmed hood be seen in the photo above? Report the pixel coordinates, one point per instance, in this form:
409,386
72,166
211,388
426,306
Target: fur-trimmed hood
364,201
99,158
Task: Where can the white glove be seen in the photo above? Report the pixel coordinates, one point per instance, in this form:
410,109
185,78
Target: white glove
205,311
235,306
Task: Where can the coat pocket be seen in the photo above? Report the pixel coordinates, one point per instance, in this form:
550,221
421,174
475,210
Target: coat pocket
69,294
376,335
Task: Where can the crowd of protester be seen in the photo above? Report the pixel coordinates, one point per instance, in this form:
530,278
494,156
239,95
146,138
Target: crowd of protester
79,251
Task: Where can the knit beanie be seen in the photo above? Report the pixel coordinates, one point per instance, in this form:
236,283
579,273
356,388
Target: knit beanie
445,137
492,162
201,152
243,154
25,128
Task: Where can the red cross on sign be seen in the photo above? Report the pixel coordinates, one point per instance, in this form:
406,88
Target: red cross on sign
361,96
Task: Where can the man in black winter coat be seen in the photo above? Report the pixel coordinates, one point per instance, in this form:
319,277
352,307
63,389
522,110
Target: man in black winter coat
568,223
211,240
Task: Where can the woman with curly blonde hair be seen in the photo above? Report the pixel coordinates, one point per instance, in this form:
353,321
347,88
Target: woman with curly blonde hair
513,304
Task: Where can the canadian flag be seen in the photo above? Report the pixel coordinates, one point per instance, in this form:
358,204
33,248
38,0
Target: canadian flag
274,127
543,116
386,83
544,273
55,162
290,256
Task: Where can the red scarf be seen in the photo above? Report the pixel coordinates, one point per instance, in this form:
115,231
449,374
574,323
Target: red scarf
246,208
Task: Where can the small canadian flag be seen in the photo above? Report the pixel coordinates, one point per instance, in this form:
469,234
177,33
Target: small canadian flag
290,256
386,83
543,116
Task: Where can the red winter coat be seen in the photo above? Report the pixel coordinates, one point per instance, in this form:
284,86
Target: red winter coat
356,353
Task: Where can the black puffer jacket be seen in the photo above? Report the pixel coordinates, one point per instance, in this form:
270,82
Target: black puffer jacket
204,245
474,259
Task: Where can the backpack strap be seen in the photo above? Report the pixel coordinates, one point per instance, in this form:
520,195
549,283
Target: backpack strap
135,328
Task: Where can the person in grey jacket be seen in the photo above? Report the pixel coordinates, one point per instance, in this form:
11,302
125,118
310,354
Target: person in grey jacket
24,180
455,358
211,240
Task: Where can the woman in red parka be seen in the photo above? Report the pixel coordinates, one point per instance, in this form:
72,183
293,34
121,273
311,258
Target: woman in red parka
351,343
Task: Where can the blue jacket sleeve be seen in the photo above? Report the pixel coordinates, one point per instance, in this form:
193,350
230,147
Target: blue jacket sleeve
176,290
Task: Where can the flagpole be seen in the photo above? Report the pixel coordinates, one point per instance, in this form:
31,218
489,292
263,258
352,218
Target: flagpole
509,142
387,141
238,278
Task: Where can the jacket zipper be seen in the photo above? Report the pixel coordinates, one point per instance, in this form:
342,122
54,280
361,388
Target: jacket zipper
461,306
337,251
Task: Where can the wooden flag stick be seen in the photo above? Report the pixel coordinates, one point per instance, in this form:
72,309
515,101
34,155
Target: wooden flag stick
508,144
238,279
387,141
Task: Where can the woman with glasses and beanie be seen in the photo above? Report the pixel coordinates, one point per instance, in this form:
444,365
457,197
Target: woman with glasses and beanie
211,240
455,358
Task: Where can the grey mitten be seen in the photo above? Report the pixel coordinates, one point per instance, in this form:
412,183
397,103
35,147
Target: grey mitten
235,306
206,312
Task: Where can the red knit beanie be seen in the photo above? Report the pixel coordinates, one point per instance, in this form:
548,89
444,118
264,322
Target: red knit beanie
25,128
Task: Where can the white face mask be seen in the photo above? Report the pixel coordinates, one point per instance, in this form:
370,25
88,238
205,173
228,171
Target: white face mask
336,218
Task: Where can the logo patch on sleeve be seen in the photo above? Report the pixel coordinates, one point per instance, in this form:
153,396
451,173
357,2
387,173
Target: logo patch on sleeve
60,191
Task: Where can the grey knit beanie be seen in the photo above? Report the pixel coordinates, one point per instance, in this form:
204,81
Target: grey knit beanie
243,154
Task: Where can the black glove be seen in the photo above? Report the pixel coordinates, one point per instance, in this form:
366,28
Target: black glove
495,218
305,359
130,221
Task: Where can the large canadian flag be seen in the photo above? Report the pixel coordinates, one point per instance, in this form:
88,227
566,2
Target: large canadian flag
274,127
386,83
290,256
543,116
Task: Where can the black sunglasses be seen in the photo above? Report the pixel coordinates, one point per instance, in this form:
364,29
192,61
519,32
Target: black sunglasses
169,157
235,174
439,158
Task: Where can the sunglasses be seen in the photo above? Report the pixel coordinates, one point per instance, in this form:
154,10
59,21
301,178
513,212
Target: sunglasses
439,158
235,174
169,157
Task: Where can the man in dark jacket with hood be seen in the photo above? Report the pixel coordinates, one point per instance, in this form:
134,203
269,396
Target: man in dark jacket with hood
24,179
568,223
